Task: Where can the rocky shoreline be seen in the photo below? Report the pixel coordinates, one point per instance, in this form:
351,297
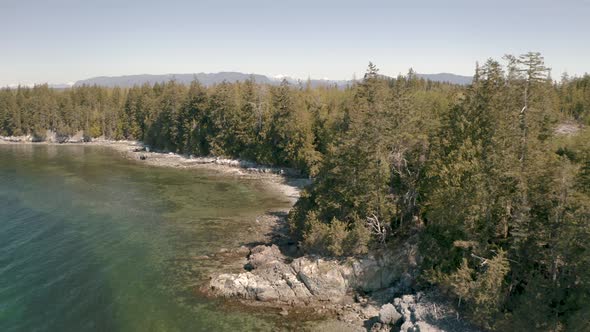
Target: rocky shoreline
370,293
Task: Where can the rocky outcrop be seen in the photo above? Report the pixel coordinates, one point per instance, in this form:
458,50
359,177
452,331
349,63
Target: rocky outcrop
419,312
270,278
415,313
327,284
273,280
264,255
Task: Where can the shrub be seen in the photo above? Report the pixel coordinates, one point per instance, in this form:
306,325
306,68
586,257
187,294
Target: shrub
336,239
481,289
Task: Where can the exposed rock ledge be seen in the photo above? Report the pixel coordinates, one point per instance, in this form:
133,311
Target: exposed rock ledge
340,287
305,279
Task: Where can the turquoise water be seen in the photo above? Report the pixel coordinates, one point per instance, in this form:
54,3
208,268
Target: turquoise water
90,241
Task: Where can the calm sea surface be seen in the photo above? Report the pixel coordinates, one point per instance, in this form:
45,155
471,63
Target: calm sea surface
90,241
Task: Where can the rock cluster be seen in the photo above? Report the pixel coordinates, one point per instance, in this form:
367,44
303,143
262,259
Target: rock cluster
418,312
270,278
415,314
338,286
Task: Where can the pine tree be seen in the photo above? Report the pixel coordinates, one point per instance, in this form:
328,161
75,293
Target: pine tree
196,111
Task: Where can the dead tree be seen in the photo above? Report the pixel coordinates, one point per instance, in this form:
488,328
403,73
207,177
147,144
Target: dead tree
377,228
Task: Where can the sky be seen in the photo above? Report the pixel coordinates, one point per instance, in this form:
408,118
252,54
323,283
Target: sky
60,41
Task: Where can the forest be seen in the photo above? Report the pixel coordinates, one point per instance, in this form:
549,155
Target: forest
497,194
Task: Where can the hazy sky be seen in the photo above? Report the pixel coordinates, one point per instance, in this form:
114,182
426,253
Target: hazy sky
63,41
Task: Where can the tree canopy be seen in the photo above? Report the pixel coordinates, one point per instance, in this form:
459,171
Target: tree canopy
499,200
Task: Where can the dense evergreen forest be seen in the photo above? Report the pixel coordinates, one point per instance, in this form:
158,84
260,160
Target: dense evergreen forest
499,200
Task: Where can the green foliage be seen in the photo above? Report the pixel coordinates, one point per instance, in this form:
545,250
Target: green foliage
574,95
373,165
336,238
508,188
266,124
501,202
583,181
481,289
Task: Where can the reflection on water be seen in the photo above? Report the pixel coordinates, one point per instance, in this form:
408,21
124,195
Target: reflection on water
91,241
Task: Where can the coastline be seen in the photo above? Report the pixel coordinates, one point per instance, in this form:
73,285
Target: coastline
275,178
320,293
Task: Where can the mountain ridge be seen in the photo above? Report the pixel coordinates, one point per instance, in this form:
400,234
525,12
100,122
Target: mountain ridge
447,77
209,79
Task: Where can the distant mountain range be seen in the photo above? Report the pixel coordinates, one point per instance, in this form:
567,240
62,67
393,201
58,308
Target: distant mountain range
447,77
206,79
209,79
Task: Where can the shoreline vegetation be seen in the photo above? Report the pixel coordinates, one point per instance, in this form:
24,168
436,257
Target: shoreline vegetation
432,204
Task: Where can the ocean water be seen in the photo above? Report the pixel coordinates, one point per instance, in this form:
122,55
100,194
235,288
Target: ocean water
90,241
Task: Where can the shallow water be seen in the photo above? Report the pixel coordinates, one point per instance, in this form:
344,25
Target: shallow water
90,241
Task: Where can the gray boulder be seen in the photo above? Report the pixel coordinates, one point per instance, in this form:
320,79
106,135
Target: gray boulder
324,279
425,327
262,255
270,281
407,326
388,314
